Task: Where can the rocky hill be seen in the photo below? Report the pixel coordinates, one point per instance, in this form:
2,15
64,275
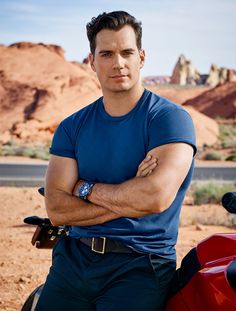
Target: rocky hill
38,88
217,102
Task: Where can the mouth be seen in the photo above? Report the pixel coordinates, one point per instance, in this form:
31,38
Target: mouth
119,76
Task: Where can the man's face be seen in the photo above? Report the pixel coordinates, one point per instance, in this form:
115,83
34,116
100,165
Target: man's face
117,60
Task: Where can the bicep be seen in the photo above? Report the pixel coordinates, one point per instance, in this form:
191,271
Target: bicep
174,161
62,174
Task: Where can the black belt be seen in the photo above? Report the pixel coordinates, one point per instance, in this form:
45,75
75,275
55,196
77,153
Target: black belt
103,245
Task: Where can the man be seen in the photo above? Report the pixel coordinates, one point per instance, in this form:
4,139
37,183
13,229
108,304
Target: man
118,174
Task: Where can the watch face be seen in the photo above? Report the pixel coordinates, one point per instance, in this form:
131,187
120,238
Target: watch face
84,190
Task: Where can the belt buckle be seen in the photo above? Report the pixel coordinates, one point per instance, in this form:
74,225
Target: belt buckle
102,251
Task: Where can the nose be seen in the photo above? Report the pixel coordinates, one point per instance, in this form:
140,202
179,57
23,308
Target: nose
118,62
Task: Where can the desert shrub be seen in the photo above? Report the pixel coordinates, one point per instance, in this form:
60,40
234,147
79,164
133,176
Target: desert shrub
7,150
13,149
228,144
11,142
213,156
232,157
40,152
29,152
210,192
227,133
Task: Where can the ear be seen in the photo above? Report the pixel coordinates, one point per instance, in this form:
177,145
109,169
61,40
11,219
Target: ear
91,60
142,58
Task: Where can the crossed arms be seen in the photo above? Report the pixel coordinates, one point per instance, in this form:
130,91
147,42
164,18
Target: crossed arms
152,190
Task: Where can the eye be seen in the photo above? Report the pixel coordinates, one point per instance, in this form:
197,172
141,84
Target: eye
106,54
128,52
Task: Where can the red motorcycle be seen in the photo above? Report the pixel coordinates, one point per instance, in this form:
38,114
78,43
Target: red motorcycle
206,279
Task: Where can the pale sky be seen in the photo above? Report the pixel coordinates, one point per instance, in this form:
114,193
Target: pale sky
203,30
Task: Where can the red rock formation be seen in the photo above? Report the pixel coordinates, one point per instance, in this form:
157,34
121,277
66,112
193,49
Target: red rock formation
28,45
219,101
38,88
178,94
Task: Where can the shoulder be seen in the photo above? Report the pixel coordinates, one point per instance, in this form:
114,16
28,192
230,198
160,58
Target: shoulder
169,123
77,117
64,138
70,126
161,107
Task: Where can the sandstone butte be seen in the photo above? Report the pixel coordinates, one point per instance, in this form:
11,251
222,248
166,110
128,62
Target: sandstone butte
39,87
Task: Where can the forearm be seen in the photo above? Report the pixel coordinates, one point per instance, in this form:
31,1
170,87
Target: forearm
66,209
132,198
154,193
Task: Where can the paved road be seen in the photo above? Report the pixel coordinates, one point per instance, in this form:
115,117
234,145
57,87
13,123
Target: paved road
15,174
223,173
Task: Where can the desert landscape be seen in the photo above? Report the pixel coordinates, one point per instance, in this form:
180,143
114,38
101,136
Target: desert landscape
38,88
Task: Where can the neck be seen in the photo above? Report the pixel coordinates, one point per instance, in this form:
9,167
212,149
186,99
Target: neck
120,103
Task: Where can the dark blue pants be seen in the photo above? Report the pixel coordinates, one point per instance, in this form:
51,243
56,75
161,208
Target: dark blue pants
80,279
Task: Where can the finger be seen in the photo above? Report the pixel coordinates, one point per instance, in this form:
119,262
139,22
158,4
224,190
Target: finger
143,166
147,162
147,159
146,171
142,171
147,174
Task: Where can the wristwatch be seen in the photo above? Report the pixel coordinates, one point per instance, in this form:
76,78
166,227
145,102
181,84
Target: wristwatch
85,189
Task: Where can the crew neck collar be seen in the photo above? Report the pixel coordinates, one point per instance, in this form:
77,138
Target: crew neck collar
118,118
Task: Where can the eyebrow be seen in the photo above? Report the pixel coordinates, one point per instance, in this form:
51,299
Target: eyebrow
105,51
110,51
129,50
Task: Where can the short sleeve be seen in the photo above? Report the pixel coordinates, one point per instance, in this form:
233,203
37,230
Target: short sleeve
62,143
172,126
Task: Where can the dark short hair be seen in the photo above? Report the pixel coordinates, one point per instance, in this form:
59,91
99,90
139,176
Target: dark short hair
114,21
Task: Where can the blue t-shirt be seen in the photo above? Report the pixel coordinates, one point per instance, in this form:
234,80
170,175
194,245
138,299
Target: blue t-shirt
109,149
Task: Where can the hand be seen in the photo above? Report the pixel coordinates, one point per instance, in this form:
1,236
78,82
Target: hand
147,166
